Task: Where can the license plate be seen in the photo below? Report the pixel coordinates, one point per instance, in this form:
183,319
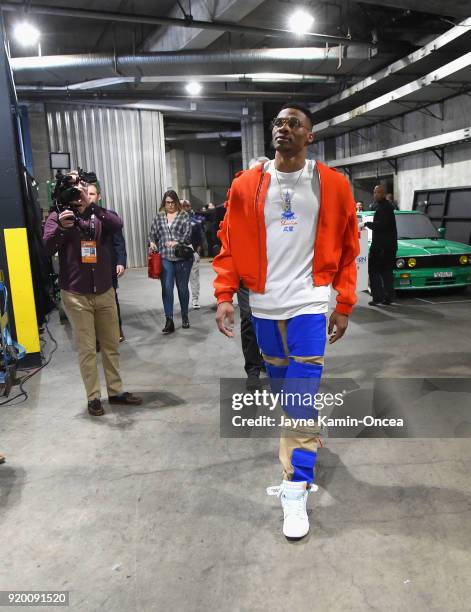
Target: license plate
443,274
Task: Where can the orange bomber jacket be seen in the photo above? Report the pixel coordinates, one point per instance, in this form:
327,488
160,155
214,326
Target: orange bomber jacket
243,255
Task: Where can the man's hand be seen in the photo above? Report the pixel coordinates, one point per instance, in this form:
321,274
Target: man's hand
85,200
225,318
67,219
120,271
340,323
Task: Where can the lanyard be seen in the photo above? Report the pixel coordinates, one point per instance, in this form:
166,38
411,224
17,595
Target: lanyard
92,227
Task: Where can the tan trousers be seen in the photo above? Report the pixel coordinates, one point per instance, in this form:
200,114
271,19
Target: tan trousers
290,439
87,313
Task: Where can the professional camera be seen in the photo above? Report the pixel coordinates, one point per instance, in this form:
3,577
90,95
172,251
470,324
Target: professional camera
66,194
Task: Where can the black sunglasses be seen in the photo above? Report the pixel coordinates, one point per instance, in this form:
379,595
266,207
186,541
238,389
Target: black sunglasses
292,122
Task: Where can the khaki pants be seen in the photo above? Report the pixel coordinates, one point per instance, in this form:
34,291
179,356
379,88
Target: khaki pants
302,437
195,278
87,313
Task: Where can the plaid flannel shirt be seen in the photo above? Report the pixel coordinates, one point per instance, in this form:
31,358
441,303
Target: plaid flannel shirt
178,231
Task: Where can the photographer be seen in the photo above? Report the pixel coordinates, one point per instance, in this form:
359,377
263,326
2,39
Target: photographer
117,248
79,230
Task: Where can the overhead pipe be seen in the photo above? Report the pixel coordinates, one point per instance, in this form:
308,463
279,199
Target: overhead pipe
187,22
39,92
186,62
94,84
204,136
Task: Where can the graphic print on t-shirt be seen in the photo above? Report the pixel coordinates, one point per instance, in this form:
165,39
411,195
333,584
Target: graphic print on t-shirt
288,218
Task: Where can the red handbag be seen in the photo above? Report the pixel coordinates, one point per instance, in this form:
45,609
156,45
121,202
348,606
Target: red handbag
154,265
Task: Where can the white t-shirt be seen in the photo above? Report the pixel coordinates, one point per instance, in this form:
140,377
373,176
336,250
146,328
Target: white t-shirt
291,230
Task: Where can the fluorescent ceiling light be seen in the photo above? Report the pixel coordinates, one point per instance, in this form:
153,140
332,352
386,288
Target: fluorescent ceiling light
194,88
300,22
26,34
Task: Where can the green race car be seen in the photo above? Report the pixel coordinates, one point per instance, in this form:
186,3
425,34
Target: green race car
425,259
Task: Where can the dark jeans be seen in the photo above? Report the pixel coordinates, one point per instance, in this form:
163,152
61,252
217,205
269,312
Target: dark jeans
380,270
179,272
252,357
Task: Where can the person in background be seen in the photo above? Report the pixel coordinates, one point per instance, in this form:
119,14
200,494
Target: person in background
359,206
253,360
119,257
211,229
117,248
200,216
87,293
390,199
382,254
197,244
379,194
170,228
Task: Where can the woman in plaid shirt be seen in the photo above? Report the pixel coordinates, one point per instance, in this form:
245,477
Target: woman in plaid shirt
171,227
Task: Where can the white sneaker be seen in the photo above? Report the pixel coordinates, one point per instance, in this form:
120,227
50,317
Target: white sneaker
293,497
196,306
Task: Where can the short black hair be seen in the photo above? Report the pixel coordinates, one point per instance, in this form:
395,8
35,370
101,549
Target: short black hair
299,107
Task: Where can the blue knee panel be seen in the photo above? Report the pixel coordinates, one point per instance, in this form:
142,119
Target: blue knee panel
303,462
302,379
275,371
276,376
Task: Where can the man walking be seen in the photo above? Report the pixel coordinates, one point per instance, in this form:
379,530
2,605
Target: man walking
382,254
290,232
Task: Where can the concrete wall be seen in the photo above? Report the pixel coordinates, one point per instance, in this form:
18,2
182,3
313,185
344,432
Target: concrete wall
252,133
200,172
40,147
415,172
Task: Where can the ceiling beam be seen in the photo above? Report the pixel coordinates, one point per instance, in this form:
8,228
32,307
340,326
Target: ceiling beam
221,26
170,39
451,8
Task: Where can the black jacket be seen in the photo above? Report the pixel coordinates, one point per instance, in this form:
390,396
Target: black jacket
116,246
384,230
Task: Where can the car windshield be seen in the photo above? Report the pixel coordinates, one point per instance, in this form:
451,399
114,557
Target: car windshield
415,226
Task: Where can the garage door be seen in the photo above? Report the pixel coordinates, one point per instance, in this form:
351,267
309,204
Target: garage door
449,208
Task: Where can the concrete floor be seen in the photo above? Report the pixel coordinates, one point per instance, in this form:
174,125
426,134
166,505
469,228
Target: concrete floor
148,509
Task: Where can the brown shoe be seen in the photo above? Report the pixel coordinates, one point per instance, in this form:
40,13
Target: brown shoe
2,458
95,408
125,398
